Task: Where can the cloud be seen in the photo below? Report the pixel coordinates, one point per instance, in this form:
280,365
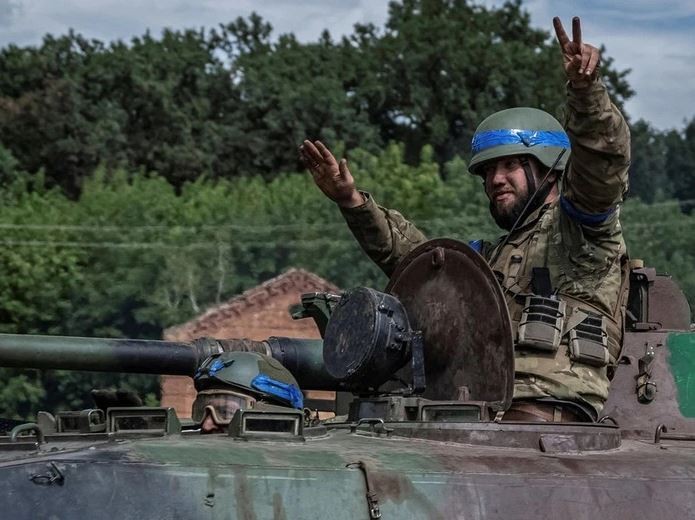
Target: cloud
663,81
643,11
648,37
652,39
8,10
110,20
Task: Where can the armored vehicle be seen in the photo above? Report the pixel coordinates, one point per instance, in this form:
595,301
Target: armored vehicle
427,366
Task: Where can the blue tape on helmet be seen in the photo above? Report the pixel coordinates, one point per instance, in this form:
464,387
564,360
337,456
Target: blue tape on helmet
209,370
212,368
491,138
215,367
285,391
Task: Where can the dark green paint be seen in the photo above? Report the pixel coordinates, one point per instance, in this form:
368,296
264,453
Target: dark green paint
682,360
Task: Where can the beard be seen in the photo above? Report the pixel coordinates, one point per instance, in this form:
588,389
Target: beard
506,217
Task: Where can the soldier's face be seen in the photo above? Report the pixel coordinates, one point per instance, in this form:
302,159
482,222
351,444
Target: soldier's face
217,418
214,408
209,425
507,189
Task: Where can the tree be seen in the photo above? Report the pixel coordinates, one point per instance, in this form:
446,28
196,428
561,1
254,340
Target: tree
37,279
73,104
174,105
444,65
663,164
661,235
680,164
648,178
8,167
290,91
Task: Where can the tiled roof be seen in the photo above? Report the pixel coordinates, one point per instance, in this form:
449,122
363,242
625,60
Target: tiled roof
250,300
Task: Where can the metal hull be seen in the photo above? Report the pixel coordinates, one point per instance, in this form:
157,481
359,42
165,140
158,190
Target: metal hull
216,477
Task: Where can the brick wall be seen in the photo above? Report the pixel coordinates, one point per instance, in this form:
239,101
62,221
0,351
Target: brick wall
256,314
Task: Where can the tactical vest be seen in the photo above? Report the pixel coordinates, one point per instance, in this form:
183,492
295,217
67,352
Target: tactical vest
569,336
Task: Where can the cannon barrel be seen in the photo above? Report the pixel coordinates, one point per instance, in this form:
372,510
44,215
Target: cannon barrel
98,354
302,357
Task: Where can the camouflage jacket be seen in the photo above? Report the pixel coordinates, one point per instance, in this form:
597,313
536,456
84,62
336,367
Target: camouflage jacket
577,238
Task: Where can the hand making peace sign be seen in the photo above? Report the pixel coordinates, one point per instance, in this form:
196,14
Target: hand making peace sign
581,60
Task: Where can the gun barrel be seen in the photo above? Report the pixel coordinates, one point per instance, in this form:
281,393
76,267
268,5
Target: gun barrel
140,356
302,357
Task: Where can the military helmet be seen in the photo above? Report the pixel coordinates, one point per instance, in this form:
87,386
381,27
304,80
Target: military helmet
519,131
250,373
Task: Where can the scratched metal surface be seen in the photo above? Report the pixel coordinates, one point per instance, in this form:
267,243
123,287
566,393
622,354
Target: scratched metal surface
217,477
673,373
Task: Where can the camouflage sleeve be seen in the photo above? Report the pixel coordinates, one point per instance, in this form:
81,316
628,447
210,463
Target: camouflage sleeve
385,235
596,178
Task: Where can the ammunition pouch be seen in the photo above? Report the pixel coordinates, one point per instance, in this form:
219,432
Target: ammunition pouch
588,341
540,326
546,323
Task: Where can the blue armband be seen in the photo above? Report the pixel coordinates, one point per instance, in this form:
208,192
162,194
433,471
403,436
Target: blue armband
584,218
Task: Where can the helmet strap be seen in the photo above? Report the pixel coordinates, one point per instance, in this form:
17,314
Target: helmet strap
528,172
539,193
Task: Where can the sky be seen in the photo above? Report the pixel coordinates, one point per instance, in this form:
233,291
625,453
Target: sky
655,39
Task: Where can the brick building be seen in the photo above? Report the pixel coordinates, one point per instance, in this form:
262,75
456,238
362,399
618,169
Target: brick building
256,314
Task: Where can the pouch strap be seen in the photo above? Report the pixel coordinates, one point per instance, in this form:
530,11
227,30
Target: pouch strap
575,319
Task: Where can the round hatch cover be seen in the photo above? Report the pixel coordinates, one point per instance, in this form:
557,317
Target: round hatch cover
452,296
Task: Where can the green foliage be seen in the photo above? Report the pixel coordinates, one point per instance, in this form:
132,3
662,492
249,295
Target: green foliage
131,256
662,236
663,164
445,65
21,394
72,104
36,280
8,167
680,164
234,101
648,179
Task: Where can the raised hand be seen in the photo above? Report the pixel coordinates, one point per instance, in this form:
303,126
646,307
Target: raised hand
333,179
581,60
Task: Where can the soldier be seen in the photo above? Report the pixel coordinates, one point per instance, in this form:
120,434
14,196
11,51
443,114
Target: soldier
561,264
233,381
